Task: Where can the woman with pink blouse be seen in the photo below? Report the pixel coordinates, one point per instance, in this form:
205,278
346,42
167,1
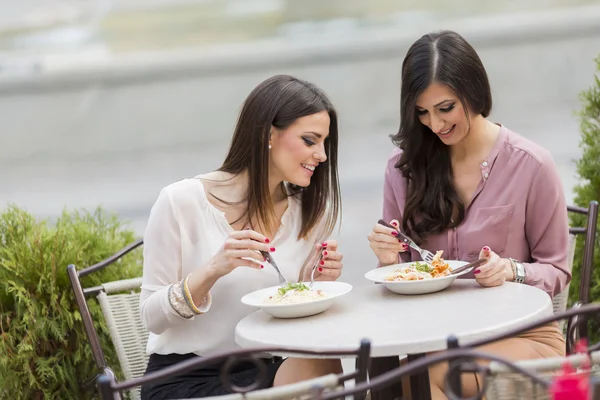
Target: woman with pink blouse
460,183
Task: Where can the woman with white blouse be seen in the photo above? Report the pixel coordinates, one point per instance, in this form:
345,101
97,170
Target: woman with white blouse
276,191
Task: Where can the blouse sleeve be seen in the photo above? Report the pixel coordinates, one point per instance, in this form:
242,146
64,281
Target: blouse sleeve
162,301
547,231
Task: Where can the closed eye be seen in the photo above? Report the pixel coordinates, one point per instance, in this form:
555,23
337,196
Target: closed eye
447,109
421,112
308,142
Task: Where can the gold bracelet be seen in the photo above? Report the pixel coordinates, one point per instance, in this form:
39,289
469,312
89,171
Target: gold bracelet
188,296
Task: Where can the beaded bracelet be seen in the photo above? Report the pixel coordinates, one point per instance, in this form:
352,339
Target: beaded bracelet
178,302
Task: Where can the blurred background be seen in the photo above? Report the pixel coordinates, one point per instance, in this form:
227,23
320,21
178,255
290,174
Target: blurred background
105,102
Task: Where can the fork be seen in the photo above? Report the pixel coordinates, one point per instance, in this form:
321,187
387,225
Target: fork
312,274
426,255
267,256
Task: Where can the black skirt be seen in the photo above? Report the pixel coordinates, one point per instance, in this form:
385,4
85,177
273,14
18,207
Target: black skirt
202,382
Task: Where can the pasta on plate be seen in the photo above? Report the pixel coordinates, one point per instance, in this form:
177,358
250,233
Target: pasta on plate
419,271
294,293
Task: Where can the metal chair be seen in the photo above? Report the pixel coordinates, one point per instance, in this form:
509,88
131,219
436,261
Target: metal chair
119,302
121,312
502,379
110,389
577,326
503,384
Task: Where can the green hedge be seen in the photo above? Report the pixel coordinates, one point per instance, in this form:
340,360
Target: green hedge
588,169
44,353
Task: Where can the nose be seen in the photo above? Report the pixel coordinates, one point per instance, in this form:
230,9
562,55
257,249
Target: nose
437,124
321,155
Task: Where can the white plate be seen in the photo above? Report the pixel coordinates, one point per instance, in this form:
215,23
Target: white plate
414,287
333,289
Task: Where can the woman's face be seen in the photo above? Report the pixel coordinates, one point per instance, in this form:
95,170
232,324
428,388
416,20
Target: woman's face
440,110
297,150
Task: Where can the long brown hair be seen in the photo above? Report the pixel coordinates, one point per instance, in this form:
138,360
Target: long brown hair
278,102
432,201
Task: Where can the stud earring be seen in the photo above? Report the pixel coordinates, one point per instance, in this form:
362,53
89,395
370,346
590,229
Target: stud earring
269,147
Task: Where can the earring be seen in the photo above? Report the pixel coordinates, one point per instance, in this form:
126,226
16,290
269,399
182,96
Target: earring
269,147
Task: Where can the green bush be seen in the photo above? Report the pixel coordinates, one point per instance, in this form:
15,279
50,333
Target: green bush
588,169
44,353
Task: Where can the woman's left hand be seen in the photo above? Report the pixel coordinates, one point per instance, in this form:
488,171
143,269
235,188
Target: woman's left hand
495,271
330,266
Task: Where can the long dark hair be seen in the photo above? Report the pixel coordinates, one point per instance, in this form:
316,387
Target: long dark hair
278,102
432,203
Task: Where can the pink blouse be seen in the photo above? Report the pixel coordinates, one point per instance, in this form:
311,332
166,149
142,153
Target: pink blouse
518,210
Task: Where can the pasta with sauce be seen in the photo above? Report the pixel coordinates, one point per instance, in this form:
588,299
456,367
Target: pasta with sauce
419,271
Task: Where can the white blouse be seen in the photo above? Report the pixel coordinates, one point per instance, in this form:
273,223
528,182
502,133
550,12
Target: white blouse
184,231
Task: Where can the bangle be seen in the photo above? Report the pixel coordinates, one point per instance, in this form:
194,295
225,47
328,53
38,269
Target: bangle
177,301
188,296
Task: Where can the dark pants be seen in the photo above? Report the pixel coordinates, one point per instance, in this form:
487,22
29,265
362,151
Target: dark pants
202,382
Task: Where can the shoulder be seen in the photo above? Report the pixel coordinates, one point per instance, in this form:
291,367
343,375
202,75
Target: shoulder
534,164
183,196
528,152
394,157
391,172
184,188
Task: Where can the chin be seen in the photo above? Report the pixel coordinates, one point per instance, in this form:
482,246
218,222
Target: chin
449,141
299,182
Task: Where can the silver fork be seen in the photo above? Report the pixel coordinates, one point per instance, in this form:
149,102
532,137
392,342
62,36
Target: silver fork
426,255
267,256
312,274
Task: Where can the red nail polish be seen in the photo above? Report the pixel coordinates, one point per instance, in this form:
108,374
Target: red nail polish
262,266
267,240
394,233
486,248
405,246
320,269
325,253
272,249
476,271
324,244
394,223
322,262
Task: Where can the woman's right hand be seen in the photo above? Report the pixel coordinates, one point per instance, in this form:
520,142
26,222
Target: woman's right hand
241,249
385,244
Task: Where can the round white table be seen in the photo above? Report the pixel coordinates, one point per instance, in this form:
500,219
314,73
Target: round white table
399,324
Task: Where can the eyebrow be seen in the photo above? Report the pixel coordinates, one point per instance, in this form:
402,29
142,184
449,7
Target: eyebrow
318,135
442,102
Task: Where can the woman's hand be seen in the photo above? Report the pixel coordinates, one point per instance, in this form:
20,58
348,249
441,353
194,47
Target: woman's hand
242,248
330,266
385,244
495,271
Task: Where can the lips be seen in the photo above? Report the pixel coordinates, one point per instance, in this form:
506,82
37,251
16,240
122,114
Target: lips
447,132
